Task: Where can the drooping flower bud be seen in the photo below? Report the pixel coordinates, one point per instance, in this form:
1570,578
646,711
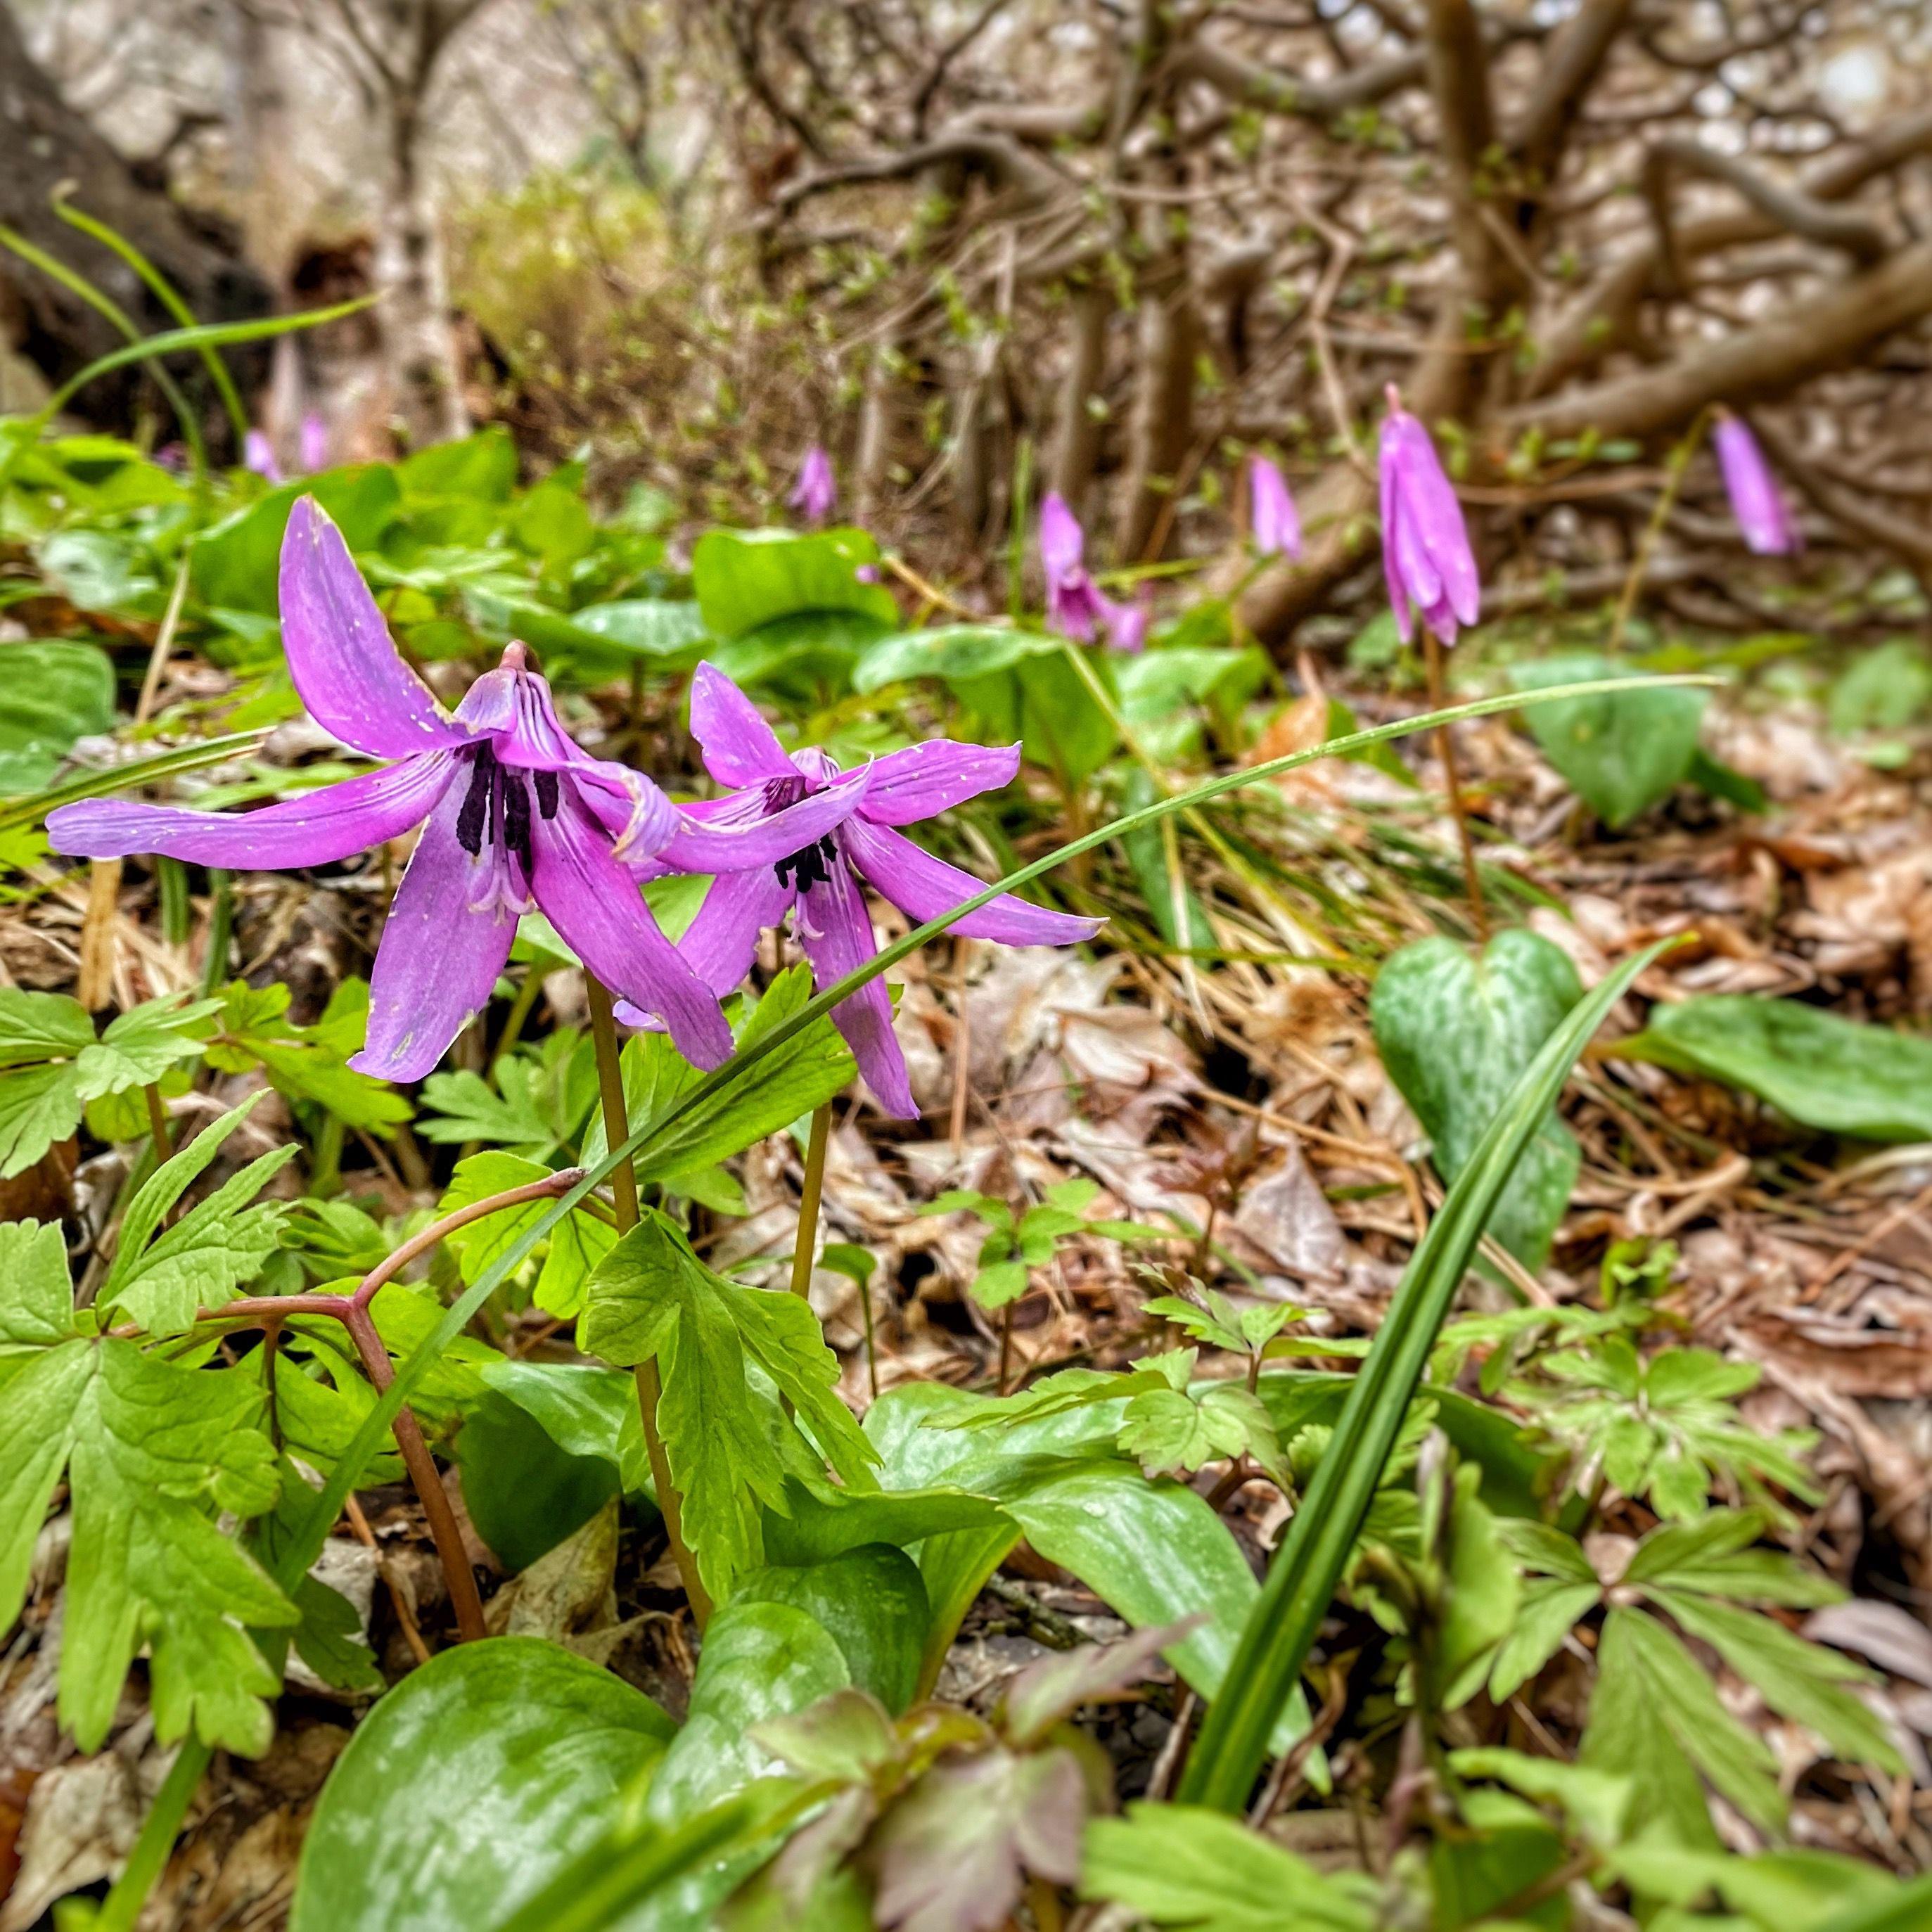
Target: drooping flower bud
1272,520
1425,555
814,495
1763,516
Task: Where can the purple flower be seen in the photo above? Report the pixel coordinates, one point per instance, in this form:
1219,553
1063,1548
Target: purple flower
513,815
258,454
314,444
814,495
1765,518
1271,517
1075,603
820,877
1425,553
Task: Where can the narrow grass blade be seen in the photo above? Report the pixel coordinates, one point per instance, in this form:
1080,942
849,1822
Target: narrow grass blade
164,293
35,806
1307,1567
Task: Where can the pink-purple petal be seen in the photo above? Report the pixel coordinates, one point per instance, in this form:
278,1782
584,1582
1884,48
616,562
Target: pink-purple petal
922,780
740,748
317,829
835,930
923,887
707,845
440,956
722,941
1062,542
340,654
596,906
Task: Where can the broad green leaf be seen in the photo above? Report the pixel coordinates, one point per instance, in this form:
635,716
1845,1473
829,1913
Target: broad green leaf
1454,1033
648,627
477,1777
745,578
236,561
1176,1865
482,466
1044,703
871,1601
525,1494
1821,1069
51,692
950,652
760,1660
1482,1597
36,1294
1622,751
1655,1718
1883,688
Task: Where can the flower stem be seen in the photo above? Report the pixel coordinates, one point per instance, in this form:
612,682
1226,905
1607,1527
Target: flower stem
1432,658
157,1121
650,1385
461,1578
804,1250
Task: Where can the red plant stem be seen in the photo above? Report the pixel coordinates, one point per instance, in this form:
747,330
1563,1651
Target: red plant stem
421,1465
268,1311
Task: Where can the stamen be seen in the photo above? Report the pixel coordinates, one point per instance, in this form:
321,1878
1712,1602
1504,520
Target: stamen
471,820
516,820
810,866
547,793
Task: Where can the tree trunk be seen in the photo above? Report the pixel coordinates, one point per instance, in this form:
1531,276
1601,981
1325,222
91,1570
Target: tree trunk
411,272
46,143
1076,436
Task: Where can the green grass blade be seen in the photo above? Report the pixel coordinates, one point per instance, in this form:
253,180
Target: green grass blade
596,1889
35,806
1307,1567
165,293
77,285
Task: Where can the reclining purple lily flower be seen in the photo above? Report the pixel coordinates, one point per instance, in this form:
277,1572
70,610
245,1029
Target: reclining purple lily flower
1075,603
513,815
1425,555
1272,520
1763,515
821,878
814,495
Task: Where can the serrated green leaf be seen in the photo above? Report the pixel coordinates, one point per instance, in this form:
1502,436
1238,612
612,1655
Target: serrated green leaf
576,1245
1656,1718
142,1045
1798,1680
1179,1865
164,1188
153,1450
41,1026
201,1261
36,1294
38,1106
1550,1610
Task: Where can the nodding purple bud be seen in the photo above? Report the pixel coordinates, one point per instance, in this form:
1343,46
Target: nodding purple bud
1272,520
258,454
1430,568
1076,604
314,446
814,495
1763,516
